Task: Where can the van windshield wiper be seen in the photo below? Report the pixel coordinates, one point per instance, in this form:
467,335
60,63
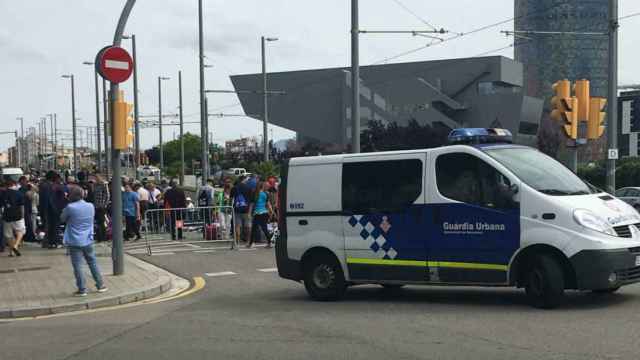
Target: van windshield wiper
563,192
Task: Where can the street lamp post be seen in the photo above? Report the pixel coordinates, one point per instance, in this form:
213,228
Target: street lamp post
95,76
20,141
265,97
182,167
355,79
160,78
204,121
73,122
136,114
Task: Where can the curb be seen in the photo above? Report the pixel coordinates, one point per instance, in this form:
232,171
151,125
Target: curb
161,286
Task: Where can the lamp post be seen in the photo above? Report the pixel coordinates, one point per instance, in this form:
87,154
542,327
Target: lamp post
136,114
73,122
182,166
20,140
160,79
95,77
204,121
265,97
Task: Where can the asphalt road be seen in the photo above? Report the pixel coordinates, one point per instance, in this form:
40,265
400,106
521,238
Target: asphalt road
246,311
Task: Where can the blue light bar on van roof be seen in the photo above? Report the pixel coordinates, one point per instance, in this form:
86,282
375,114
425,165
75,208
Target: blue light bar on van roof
479,136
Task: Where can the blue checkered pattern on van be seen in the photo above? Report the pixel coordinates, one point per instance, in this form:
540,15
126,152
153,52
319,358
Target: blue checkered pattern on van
372,232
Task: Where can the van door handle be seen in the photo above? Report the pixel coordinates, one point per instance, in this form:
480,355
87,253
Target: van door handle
303,222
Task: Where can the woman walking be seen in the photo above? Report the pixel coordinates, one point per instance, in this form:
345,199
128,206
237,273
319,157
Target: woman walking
261,210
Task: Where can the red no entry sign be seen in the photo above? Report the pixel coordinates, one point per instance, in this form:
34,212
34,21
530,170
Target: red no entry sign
114,64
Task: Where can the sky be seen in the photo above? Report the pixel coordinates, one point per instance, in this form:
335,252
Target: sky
42,40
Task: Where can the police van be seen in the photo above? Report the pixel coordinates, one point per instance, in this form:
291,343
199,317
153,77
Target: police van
481,211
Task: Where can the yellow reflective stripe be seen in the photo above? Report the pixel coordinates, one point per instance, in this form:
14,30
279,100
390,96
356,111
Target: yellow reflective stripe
442,264
386,262
460,265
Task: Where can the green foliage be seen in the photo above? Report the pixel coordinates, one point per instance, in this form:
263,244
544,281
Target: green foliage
266,169
627,173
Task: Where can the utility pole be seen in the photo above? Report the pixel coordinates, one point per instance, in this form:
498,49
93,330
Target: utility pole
55,138
73,123
612,111
46,139
204,121
355,79
20,141
182,167
160,78
116,183
265,97
95,77
136,114
53,143
107,152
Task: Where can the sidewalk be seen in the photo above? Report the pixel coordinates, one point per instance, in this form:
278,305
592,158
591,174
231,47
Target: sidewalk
41,282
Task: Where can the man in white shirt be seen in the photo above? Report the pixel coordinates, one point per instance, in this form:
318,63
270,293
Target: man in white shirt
143,195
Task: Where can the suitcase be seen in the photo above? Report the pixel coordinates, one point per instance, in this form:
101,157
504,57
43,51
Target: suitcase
211,232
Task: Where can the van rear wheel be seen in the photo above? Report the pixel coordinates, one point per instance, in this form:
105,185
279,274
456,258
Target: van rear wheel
545,282
324,279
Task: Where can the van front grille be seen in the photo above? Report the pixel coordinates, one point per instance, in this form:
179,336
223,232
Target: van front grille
630,274
623,231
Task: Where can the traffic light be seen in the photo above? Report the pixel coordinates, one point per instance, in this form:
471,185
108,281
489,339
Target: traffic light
122,124
582,92
595,125
565,108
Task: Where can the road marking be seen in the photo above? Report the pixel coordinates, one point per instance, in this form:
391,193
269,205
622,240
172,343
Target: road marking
115,64
198,284
222,273
249,249
268,270
204,251
163,253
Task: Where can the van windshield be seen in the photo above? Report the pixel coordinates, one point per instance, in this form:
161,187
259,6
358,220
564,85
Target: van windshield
540,171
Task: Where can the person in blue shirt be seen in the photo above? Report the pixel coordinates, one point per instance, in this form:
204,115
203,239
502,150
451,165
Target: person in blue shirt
261,210
78,237
131,212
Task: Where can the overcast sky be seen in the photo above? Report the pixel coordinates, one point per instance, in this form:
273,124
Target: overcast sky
41,40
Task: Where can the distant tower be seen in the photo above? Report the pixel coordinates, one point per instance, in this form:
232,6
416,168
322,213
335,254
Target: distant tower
548,58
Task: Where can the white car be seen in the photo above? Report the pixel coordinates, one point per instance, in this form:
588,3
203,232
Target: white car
482,211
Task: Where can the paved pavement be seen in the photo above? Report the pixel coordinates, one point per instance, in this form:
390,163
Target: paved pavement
247,312
41,282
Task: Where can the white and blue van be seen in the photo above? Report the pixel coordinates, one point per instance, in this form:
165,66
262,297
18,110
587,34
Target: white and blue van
482,211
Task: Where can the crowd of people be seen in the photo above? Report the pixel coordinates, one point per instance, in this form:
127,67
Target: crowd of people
32,208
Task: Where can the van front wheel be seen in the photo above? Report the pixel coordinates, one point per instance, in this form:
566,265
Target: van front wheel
323,279
545,282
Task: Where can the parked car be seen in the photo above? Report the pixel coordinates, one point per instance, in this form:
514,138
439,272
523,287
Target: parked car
630,195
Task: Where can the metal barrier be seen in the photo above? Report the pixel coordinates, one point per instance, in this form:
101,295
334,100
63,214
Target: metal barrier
211,224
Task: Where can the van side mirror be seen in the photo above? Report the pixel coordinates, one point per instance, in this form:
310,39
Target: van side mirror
514,189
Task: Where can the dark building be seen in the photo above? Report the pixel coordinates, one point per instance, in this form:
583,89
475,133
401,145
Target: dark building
548,58
443,94
628,123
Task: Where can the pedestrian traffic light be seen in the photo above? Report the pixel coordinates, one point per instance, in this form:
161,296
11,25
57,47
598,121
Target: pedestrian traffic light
582,92
565,108
595,125
122,124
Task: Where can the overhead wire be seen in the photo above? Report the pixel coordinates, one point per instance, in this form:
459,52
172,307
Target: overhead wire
420,18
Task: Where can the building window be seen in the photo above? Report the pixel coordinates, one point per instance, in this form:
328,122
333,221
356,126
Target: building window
466,178
380,186
497,87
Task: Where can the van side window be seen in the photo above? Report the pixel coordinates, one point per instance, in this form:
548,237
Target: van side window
377,186
468,179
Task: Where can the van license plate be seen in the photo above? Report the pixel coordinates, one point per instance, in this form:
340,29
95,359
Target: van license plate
637,260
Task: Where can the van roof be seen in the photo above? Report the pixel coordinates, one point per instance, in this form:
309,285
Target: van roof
338,158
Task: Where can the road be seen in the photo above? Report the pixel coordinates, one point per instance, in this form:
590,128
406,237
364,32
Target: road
246,311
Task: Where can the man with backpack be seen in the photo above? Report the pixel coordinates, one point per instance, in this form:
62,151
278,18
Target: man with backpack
205,199
13,226
241,194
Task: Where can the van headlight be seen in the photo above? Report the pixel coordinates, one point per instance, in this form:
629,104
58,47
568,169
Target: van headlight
592,221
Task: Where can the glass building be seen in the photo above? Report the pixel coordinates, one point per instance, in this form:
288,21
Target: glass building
548,58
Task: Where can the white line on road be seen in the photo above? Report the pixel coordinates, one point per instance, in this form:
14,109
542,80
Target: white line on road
223,273
204,251
268,270
163,254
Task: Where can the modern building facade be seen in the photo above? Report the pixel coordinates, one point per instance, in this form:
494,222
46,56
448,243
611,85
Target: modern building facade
471,92
548,58
629,123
